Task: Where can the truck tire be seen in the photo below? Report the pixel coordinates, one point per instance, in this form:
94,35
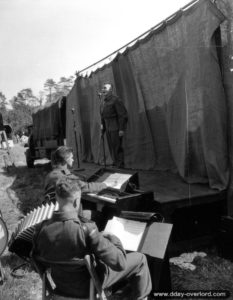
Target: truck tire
29,159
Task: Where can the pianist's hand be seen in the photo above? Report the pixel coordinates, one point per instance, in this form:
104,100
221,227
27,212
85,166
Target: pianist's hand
111,184
108,235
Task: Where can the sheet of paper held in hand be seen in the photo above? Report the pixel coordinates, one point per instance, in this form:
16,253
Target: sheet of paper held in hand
115,180
130,232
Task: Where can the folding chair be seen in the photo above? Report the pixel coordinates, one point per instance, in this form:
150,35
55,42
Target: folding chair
42,266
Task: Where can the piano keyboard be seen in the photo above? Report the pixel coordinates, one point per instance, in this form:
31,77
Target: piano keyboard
106,197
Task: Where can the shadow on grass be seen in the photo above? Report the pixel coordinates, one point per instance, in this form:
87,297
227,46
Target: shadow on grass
26,191
11,261
25,285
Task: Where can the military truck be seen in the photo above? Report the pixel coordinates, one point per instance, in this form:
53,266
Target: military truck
47,131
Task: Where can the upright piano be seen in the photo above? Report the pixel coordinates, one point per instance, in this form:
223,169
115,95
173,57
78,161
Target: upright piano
122,193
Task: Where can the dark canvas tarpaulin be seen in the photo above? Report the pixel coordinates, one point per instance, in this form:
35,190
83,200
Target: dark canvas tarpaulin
226,7
171,85
87,117
48,122
73,130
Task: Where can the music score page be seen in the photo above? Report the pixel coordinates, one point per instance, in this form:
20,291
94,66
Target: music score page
130,232
115,180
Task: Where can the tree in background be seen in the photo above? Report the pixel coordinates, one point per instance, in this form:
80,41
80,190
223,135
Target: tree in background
56,90
26,96
64,85
3,103
23,105
20,118
21,115
41,97
50,88
3,106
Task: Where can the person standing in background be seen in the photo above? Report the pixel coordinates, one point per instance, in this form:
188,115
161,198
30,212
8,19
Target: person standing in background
114,119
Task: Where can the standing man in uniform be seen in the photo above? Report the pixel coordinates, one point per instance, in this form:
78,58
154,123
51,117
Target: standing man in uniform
113,121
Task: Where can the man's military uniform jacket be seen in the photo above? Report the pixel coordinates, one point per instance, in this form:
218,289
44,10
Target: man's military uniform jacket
64,237
61,172
113,114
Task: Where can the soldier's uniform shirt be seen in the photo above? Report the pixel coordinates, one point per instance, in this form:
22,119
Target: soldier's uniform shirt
61,172
114,119
86,187
113,114
65,236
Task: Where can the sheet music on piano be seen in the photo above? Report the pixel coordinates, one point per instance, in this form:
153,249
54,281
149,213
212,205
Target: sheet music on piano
121,192
115,180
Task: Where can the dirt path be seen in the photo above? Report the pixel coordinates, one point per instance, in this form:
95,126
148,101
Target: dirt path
10,213
27,287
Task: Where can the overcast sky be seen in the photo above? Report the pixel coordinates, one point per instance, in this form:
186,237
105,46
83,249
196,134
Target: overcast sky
41,39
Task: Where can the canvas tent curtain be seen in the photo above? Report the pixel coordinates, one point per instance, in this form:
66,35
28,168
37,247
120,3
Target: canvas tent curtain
226,7
171,85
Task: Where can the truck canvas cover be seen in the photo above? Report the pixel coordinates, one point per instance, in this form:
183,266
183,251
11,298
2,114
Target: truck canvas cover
49,122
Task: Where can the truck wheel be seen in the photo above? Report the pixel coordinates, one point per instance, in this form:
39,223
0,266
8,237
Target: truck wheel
29,159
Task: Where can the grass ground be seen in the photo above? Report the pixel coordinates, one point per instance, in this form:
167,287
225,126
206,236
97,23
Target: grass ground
21,189
12,189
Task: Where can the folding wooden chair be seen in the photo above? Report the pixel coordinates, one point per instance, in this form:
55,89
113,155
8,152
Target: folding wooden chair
43,266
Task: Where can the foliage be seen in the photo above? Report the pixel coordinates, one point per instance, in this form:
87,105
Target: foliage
50,87
20,116
25,102
26,96
65,85
22,107
3,104
56,90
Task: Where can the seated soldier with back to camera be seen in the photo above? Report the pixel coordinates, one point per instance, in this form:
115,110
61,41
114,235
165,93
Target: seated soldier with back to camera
65,236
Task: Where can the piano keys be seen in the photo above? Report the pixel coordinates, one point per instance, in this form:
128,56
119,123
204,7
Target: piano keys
122,193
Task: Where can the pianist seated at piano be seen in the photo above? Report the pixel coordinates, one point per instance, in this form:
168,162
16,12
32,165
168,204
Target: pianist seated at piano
62,160
66,236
